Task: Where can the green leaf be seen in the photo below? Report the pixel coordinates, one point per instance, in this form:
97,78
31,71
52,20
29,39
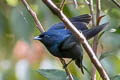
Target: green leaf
110,41
116,77
115,13
54,74
36,76
107,54
114,52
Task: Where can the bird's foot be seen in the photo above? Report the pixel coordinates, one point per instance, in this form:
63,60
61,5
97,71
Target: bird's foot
65,65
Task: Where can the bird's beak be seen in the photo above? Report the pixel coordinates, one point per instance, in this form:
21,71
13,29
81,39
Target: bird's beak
37,38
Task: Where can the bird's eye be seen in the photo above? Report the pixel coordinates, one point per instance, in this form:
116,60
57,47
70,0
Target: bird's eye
42,36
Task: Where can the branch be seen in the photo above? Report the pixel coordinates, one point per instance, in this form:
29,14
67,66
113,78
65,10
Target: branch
75,3
98,9
91,7
90,4
80,36
71,2
66,70
116,2
95,41
62,4
40,27
33,14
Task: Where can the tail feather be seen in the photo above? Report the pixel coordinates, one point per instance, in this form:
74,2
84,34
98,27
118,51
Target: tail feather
94,31
78,62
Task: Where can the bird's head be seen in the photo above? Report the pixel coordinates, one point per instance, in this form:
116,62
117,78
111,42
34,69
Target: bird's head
40,37
47,39
53,37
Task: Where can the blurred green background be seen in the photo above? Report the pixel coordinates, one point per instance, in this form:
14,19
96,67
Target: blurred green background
21,56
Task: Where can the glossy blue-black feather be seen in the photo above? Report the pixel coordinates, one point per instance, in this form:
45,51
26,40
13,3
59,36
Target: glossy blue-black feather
63,44
80,22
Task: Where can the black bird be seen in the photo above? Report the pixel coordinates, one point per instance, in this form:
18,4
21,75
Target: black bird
63,44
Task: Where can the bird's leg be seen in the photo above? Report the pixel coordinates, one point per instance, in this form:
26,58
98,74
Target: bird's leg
67,63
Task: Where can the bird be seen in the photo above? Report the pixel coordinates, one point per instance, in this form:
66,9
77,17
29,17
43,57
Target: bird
62,43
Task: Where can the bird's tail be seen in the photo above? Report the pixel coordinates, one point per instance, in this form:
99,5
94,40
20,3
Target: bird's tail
94,31
78,62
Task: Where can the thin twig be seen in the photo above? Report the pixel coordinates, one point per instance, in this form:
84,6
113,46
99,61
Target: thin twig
95,41
116,2
71,2
66,70
75,3
62,4
93,75
98,9
91,6
40,27
80,36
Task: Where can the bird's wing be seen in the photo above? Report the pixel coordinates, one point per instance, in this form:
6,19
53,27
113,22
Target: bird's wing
68,43
80,22
82,18
71,48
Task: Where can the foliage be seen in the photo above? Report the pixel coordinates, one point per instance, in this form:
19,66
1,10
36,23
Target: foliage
52,73
20,54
